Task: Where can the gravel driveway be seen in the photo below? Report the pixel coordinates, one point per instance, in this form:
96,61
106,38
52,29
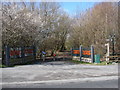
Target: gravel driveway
56,70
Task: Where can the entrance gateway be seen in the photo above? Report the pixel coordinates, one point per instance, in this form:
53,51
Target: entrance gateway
83,54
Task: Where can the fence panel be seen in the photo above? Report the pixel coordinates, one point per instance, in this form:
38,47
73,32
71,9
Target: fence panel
18,55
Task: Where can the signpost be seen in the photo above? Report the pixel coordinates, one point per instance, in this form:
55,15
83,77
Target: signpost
108,52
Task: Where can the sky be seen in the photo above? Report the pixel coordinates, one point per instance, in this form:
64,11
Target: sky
72,7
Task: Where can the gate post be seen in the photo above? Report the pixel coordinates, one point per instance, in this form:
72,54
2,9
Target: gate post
92,54
34,52
7,55
71,52
23,54
80,52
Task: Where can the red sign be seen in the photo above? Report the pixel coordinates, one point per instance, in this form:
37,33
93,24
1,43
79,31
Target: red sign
14,52
28,50
18,52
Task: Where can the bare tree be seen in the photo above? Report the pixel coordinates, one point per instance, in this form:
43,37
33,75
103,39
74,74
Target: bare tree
94,26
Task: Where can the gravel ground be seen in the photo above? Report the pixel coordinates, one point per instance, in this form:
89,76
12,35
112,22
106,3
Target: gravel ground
56,70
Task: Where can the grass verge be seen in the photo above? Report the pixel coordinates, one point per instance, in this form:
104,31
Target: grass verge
81,62
2,66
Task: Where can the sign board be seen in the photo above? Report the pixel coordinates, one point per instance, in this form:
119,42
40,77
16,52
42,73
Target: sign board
15,52
17,55
83,52
86,52
76,51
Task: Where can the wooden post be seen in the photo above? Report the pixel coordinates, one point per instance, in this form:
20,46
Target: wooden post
34,52
80,52
7,55
63,55
71,53
108,52
92,54
23,54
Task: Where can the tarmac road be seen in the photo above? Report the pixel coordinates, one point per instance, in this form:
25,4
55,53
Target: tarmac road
34,75
112,83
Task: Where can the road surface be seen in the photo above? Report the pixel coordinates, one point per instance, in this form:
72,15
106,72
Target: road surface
112,83
38,75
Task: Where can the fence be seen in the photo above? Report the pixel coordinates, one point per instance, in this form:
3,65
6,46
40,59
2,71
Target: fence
83,54
18,55
65,55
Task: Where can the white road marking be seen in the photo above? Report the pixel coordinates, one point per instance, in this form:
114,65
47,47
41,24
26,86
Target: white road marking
65,80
